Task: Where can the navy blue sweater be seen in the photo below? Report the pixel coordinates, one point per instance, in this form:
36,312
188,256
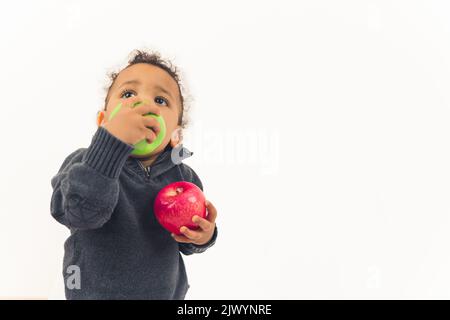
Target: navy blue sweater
118,248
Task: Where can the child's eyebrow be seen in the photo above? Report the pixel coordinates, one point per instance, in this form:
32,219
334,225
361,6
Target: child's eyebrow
158,87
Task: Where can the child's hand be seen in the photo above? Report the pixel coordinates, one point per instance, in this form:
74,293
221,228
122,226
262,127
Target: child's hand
130,125
204,233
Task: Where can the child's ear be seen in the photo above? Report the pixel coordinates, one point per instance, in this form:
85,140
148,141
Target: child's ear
176,137
100,117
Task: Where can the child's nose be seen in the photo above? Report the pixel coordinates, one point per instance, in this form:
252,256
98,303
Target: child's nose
141,101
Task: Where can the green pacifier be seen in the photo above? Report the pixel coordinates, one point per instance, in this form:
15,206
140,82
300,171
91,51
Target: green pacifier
143,147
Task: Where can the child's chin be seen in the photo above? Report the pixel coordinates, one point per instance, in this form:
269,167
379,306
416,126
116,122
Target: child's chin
143,156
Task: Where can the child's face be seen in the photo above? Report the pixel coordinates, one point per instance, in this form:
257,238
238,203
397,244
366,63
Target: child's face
151,86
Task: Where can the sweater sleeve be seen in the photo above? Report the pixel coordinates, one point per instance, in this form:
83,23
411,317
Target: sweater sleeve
86,187
190,248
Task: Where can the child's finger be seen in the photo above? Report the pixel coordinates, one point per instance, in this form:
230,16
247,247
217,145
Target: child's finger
212,211
182,239
193,235
151,122
203,223
150,136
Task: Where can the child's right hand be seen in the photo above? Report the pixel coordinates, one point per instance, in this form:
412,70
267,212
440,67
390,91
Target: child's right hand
129,124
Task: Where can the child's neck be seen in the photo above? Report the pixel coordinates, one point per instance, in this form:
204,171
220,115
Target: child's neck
149,161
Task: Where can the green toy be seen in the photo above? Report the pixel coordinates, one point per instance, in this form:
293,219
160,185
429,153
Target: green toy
143,147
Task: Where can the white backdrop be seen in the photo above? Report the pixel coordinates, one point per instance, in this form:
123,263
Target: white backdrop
320,130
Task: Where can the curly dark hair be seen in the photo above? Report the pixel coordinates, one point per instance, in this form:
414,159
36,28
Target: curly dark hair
153,58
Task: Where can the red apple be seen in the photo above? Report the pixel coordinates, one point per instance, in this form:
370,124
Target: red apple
177,203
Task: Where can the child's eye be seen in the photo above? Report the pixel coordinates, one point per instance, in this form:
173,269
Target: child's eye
162,99
126,91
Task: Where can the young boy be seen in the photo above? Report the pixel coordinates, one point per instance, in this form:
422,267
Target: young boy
104,195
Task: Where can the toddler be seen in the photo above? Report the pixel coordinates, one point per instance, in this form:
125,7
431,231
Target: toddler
104,194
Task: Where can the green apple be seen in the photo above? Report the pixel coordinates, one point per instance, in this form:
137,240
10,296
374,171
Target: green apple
143,147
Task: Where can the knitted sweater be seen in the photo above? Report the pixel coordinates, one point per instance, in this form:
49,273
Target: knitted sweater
116,248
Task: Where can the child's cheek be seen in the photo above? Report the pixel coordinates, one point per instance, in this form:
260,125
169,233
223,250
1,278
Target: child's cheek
171,124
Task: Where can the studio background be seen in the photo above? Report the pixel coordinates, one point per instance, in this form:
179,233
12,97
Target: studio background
320,130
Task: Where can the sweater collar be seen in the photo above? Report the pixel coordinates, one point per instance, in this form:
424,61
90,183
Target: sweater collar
166,160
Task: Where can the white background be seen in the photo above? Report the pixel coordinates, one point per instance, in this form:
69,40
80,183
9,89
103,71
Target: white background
345,194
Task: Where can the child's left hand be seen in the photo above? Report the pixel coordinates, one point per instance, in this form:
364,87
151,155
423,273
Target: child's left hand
203,234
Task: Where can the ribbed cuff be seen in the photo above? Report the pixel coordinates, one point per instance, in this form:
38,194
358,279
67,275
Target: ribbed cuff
107,154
